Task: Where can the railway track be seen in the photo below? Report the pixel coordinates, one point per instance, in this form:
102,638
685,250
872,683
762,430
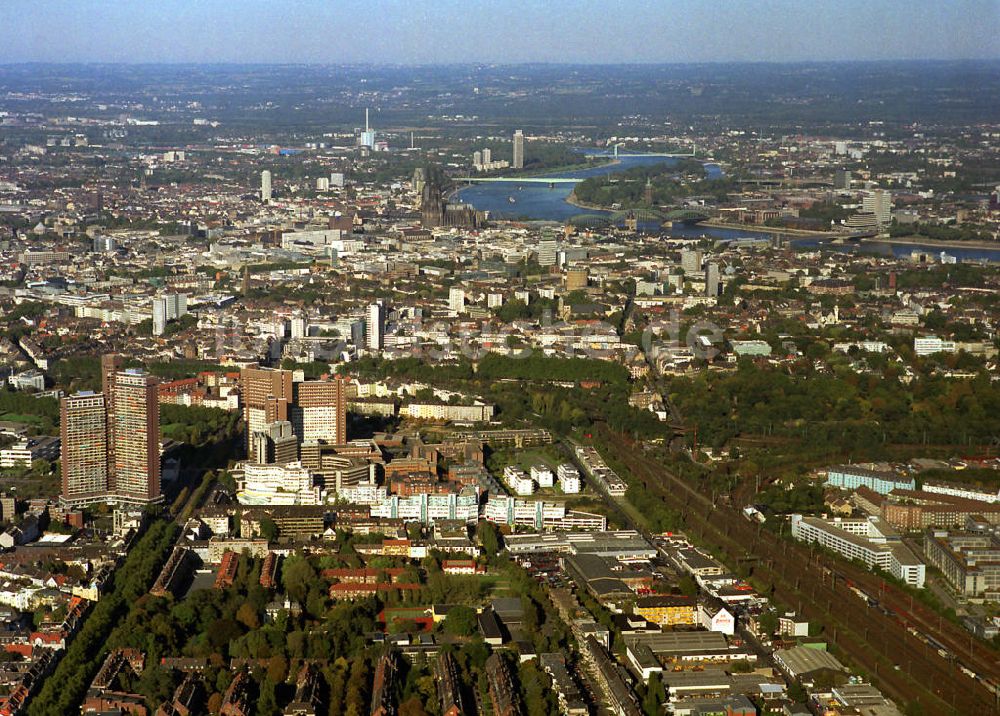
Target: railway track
960,645
873,643
900,662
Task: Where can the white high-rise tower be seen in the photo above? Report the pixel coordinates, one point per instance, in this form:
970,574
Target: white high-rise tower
879,203
265,185
375,326
368,136
456,301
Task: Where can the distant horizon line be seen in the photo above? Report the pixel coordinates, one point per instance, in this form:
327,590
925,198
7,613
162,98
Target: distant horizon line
480,63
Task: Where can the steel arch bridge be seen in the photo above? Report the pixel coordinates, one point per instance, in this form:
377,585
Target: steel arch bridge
590,221
688,215
642,215
617,218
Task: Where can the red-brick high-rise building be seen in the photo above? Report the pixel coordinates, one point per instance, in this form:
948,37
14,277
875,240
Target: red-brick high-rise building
319,411
315,409
265,394
134,474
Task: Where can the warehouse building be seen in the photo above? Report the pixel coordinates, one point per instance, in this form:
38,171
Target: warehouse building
690,647
804,664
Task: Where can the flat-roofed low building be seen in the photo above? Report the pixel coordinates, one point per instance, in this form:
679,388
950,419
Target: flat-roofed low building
736,705
756,348
684,685
803,662
25,452
692,646
595,575
623,545
863,697
699,564
642,661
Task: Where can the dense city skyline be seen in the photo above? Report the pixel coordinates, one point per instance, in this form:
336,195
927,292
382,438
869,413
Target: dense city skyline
389,31
644,359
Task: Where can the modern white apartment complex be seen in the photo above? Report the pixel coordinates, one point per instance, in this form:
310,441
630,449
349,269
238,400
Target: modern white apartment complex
476,413
287,484
966,492
518,480
569,478
540,515
429,508
867,540
928,345
542,474
606,478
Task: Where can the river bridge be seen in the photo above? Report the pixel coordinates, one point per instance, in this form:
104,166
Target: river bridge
551,181
642,215
627,155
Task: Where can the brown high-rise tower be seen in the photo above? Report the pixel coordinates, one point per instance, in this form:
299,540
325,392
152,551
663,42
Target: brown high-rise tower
315,409
319,411
266,394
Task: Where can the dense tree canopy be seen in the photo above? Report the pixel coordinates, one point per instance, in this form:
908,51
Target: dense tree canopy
850,410
666,183
543,368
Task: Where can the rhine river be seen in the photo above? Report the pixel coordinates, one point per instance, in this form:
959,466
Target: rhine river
540,202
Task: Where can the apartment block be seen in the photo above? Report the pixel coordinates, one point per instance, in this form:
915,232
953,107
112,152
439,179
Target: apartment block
868,540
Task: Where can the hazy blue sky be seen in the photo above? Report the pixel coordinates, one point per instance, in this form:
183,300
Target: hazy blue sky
433,31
